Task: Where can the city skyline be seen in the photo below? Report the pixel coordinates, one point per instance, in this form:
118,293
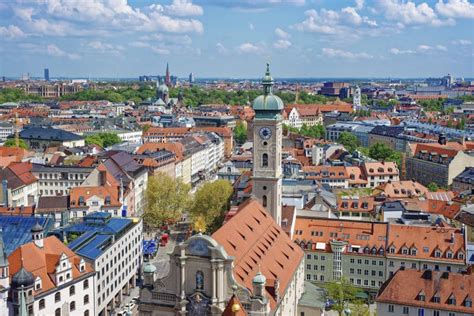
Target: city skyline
304,39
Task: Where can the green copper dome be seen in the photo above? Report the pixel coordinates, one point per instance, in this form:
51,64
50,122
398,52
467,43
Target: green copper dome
268,101
259,278
149,268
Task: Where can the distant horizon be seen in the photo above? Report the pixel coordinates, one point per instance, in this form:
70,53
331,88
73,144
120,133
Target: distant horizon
235,38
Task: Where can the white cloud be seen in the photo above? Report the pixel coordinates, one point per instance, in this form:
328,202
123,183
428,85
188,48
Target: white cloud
11,31
333,22
106,48
139,44
183,8
282,44
397,51
331,52
221,49
463,42
455,8
160,50
408,12
53,50
282,34
421,49
359,4
79,17
247,48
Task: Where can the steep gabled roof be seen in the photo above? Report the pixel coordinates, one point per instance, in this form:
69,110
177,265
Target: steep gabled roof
256,242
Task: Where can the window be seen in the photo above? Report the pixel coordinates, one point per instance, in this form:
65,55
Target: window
436,298
452,300
308,267
57,297
57,312
264,200
435,313
199,280
86,313
421,312
390,308
41,303
406,310
265,160
468,302
451,314
85,284
72,290
72,306
308,277
86,299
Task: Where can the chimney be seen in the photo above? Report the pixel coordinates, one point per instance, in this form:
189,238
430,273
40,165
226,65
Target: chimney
442,139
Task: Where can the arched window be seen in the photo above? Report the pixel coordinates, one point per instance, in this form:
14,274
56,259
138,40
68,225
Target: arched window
72,290
86,313
86,299
86,284
72,306
265,160
199,280
41,303
57,312
264,201
57,297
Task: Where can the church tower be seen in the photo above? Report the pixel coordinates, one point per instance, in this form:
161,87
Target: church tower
267,144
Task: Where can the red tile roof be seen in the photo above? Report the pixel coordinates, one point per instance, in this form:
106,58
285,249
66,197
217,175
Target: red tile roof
42,262
405,287
256,242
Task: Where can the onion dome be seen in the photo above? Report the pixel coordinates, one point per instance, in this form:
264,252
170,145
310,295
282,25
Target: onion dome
23,278
149,268
268,101
37,228
259,278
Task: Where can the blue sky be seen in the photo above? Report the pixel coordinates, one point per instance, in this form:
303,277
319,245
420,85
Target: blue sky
231,38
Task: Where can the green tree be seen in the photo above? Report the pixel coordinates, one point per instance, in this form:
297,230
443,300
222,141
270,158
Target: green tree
103,139
342,293
433,187
211,201
380,151
11,143
349,141
166,200
240,132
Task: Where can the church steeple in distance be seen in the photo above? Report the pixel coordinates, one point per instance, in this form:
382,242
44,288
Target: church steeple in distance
167,78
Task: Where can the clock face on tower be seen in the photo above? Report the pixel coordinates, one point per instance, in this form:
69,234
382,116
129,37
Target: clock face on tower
265,133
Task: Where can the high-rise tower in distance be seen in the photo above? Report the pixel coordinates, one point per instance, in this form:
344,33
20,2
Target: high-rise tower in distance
46,74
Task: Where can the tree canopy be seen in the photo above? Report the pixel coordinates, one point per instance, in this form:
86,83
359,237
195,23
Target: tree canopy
240,132
348,140
11,143
166,200
16,95
342,293
103,139
380,151
433,187
211,201
315,131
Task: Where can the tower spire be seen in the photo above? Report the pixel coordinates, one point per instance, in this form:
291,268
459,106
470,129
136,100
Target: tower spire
167,78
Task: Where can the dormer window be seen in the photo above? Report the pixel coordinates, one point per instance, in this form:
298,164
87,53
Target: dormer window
366,250
449,254
438,254
468,302
390,169
381,251
436,298
371,170
452,300
380,170
82,265
38,283
421,296
391,249
81,200
405,250
460,255
413,251
107,200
